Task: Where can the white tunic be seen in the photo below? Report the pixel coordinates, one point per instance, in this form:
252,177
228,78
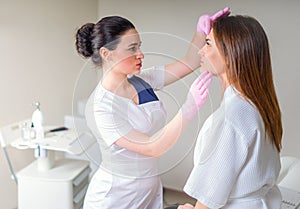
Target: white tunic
235,166
125,179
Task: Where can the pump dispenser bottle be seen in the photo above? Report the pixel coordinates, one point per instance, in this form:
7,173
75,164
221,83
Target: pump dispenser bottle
37,121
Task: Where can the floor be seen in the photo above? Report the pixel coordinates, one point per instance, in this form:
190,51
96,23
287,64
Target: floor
172,197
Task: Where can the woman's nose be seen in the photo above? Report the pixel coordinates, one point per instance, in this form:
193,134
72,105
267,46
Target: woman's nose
140,55
201,52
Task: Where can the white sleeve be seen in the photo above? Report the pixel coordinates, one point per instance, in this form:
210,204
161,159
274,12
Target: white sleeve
105,121
214,174
155,76
111,126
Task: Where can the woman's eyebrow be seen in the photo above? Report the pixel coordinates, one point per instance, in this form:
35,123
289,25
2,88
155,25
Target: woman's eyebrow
134,44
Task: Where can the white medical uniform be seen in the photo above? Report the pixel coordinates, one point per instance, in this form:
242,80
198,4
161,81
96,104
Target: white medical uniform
235,165
126,179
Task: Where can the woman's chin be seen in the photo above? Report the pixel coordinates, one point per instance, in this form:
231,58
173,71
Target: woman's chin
202,70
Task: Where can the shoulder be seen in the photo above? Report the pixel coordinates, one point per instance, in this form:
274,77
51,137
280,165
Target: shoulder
242,115
103,100
151,70
138,82
154,76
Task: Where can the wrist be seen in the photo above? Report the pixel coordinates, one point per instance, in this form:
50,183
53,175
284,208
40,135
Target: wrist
188,112
200,30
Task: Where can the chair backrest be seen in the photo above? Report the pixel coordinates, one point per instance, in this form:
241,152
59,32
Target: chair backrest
289,176
11,132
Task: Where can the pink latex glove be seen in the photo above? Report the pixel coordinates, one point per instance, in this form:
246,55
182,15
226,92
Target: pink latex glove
197,95
186,206
205,21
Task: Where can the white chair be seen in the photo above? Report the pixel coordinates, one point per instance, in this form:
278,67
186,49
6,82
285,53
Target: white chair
289,176
8,134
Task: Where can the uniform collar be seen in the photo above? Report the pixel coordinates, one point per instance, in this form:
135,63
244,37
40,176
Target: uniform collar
230,92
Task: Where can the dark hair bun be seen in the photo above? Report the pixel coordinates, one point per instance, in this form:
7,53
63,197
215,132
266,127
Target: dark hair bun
83,40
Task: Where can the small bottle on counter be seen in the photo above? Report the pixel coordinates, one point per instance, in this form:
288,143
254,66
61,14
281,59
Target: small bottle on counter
25,132
37,122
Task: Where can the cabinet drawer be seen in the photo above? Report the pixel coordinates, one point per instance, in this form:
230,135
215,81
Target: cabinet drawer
80,185
81,177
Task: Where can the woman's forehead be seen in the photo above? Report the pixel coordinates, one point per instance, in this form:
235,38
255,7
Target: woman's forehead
210,36
130,36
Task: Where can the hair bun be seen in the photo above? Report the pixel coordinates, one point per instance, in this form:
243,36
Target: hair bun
83,40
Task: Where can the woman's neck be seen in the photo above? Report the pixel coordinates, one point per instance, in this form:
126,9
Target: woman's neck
223,81
117,83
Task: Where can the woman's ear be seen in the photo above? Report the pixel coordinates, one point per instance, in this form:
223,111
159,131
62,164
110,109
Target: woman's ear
104,53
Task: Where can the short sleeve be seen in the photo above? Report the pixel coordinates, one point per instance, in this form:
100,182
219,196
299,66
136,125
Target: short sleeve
111,126
155,76
107,121
214,175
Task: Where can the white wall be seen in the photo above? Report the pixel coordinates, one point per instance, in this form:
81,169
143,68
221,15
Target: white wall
38,62
179,18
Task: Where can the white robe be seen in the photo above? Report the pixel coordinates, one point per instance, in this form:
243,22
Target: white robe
235,165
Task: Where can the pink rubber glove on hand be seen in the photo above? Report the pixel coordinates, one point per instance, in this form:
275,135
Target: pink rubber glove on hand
197,95
186,206
205,21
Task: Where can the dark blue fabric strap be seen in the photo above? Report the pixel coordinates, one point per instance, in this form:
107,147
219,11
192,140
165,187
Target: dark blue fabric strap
145,91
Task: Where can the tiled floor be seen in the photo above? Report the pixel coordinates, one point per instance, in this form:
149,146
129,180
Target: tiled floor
172,197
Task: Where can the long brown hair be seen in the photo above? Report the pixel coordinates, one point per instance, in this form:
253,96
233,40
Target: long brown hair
244,45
